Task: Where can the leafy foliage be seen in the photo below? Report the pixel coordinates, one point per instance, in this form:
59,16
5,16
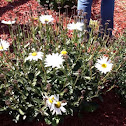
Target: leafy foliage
25,84
121,75
56,3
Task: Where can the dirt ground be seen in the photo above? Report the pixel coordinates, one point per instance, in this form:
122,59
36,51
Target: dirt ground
109,113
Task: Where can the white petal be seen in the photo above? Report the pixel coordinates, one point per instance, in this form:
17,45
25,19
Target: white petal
63,104
63,109
58,111
53,112
8,22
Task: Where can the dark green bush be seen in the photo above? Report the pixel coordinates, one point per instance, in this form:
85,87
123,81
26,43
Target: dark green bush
121,75
56,3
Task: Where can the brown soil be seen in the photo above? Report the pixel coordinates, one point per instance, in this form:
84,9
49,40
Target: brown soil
109,113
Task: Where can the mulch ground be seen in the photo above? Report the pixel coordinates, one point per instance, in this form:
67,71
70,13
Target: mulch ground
119,15
20,9
110,112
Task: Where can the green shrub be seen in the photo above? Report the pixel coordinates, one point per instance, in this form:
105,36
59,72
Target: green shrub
121,75
56,3
47,73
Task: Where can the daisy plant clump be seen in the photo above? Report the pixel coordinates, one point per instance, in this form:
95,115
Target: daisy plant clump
45,73
121,74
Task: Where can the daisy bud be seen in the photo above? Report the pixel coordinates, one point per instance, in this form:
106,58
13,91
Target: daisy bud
117,58
90,63
63,101
122,43
65,57
80,13
99,87
10,88
65,90
85,21
81,97
106,23
96,44
7,102
5,69
14,60
109,29
59,3
1,76
124,59
64,14
79,71
83,92
7,92
66,6
85,13
74,7
48,86
15,81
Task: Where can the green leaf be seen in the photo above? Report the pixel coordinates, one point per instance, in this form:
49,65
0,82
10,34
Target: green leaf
88,78
37,73
31,76
89,106
9,0
17,117
47,121
21,112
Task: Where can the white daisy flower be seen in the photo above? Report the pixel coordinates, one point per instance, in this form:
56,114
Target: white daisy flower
49,100
57,106
34,56
54,60
75,26
46,19
8,22
104,65
4,45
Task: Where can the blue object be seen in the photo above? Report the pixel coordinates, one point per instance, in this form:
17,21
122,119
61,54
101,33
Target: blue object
107,10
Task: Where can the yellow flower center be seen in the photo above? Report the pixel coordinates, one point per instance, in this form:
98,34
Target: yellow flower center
58,104
64,52
75,27
1,47
34,53
104,65
35,18
51,100
46,20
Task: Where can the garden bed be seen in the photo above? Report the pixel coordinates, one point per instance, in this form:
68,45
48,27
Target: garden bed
110,112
